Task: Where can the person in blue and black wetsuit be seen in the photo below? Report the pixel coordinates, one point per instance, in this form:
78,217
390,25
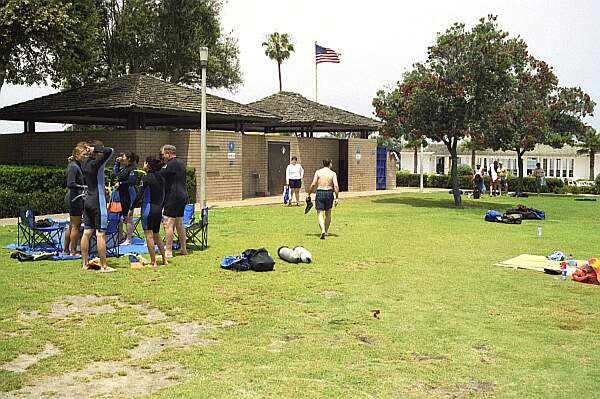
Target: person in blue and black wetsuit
125,166
176,197
151,196
95,212
74,199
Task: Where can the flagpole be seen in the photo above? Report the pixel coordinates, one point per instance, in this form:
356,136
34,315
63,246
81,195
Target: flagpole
316,77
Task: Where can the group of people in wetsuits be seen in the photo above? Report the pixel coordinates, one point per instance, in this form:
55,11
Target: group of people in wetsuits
161,196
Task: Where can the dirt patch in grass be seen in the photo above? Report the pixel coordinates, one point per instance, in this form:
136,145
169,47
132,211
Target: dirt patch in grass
87,304
24,361
330,294
105,380
28,316
420,357
113,378
468,389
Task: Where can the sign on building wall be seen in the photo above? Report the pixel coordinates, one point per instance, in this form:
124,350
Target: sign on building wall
357,153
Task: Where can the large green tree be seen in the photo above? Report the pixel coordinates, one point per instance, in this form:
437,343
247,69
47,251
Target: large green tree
278,47
589,141
186,25
537,111
466,76
33,34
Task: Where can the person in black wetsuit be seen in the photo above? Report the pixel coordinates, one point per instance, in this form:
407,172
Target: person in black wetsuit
95,213
151,196
176,197
125,166
73,198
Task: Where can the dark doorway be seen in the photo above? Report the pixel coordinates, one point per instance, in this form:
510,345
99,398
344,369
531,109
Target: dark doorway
439,165
343,165
279,159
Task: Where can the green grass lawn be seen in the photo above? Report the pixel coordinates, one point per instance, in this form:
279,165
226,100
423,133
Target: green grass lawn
450,325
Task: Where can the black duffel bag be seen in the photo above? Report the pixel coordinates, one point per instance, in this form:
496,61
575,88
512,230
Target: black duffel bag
259,259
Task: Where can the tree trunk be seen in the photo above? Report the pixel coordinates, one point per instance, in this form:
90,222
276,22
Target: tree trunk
473,159
592,164
520,166
415,163
2,76
279,70
454,174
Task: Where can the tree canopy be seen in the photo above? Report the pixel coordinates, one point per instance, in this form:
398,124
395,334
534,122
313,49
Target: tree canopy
278,47
32,35
467,75
72,42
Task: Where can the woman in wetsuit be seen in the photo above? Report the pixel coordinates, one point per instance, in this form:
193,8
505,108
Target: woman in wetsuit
94,205
73,198
125,166
151,196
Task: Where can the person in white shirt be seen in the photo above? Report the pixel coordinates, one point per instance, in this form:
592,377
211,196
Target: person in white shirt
294,173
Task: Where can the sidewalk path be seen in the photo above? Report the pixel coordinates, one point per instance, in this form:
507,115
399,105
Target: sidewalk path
255,201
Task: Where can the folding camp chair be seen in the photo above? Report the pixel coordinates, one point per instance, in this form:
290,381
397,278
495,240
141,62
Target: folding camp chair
37,237
111,236
197,233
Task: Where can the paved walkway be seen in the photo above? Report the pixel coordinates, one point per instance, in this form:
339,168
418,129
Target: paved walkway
255,201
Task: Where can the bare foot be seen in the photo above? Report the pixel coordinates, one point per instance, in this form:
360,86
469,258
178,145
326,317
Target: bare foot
322,236
107,269
184,253
165,261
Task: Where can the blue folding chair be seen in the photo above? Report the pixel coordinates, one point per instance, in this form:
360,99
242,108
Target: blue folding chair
111,236
196,234
36,236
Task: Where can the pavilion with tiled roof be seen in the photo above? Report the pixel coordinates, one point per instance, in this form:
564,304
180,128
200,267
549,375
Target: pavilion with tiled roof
300,115
134,101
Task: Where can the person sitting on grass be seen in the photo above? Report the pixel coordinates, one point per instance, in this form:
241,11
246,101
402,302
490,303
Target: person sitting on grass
152,196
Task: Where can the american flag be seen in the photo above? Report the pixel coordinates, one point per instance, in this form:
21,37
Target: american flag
323,54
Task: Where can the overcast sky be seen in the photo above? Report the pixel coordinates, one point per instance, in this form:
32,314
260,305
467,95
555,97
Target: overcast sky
379,40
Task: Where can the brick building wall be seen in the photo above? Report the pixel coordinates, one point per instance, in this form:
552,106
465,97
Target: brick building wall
390,180
362,173
227,179
254,166
11,149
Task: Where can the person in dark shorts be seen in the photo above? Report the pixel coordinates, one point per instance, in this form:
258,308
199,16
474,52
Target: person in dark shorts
151,197
176,197
325,184
124,169
294,173
94,206
74,199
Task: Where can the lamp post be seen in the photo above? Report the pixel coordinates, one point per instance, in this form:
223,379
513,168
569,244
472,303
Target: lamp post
203,64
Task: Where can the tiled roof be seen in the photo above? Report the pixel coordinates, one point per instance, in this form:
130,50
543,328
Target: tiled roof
296,110
136,92
539,150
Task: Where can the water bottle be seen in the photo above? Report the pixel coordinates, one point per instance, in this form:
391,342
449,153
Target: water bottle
539,231
564,273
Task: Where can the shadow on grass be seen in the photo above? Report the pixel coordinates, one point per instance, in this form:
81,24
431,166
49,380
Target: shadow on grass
421,202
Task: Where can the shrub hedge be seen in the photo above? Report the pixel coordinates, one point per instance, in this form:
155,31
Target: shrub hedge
43,188
553,185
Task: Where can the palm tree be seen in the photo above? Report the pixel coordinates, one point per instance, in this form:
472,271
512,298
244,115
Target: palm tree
415,144
589,141
279,47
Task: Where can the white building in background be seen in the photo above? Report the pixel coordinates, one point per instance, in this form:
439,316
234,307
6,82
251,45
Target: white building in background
563,163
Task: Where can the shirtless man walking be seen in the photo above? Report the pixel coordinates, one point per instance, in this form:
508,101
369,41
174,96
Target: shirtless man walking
325,184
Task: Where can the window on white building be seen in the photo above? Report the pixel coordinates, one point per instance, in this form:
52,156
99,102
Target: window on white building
545,165
551,171
558,166
571,166
531,165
